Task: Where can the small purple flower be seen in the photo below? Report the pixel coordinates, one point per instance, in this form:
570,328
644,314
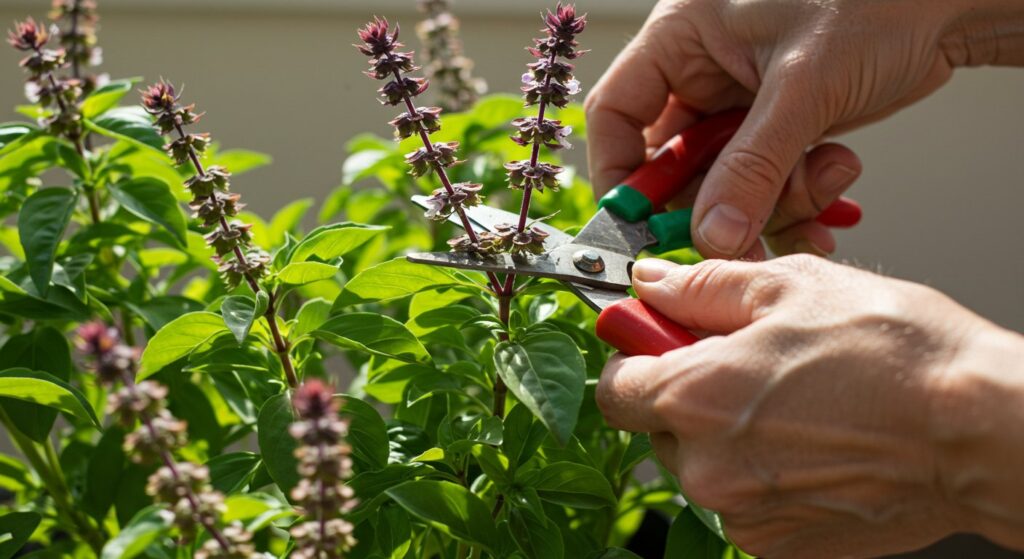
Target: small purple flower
426,119
441,204
423,161
395,92
541,176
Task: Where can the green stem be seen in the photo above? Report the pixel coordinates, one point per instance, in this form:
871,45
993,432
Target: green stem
52,476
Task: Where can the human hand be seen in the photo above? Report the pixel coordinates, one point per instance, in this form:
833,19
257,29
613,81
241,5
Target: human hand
806,69
838,413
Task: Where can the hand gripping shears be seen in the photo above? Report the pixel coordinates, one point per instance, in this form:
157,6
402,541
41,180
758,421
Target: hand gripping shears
596,264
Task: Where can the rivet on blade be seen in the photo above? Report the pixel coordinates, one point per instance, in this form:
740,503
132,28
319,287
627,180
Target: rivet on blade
588,261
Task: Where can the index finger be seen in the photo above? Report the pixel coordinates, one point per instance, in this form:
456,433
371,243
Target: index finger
629,97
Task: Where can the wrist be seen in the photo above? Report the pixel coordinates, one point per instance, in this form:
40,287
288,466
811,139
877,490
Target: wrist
978,429
985,32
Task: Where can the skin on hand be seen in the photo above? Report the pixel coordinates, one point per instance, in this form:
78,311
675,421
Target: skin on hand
806,69
834,412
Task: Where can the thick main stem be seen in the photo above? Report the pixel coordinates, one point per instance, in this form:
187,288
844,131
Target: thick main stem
280,345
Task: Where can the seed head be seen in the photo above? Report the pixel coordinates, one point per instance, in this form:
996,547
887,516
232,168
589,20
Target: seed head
27,35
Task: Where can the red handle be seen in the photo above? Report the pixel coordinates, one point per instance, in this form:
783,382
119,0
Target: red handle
684,156
635,328
694,151
843,213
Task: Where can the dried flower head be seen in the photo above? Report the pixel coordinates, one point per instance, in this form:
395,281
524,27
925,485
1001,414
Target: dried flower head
27,35
324,463
76,22
112,360
441,205
446,65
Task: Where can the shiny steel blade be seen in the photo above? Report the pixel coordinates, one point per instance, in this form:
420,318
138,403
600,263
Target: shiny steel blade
555,264
486,218
597,298
608,231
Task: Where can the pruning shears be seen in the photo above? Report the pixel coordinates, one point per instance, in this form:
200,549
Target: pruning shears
596,264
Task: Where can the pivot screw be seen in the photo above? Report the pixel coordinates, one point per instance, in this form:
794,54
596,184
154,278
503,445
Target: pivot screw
588,261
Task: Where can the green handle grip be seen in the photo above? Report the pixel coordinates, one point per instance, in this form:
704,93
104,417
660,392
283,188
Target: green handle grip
672,229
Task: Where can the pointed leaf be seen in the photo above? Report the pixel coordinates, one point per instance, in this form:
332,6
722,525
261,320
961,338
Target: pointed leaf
179,338
450,508
132,124
547,373
240,312
145,528
45,389
42,349
689,537
373,333
277,446
367,433
106,98
151,200
329,244
571,485
41,223
302,273
15,530
394,279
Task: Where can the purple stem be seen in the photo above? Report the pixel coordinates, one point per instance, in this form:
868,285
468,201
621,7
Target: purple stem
443,175
280,345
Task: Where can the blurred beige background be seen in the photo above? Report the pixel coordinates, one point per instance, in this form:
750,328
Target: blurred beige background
942,187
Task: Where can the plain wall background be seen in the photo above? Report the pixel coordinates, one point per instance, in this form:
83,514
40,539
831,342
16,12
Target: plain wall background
942,188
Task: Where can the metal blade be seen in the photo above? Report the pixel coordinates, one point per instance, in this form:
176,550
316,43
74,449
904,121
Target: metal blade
596,298
608,231
556,264
486,218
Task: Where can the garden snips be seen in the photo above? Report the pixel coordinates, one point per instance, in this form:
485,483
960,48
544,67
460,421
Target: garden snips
596,264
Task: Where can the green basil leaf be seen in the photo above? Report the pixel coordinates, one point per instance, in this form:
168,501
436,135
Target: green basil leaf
59,304
240,312
449,508
15,530
277,446
230,473
46,390
373,333
571,485
546,372
147,527
395,279
394,533
41,223
287,220
638,450
43,349
178,339
103,473
106,97
331,243
302,273
132,124
367,433
151,199
522,436
14,135
536,538
689,537
159,311
72,160
312,314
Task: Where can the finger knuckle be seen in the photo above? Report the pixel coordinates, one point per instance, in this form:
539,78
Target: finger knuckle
753,174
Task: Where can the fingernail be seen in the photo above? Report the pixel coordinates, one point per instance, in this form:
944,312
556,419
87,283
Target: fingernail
807,247
650,270
724,229
835,178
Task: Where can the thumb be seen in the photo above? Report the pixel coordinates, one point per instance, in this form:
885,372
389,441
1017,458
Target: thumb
743,186
718,296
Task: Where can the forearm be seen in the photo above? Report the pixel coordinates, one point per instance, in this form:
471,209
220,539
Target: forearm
982,435
986,33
